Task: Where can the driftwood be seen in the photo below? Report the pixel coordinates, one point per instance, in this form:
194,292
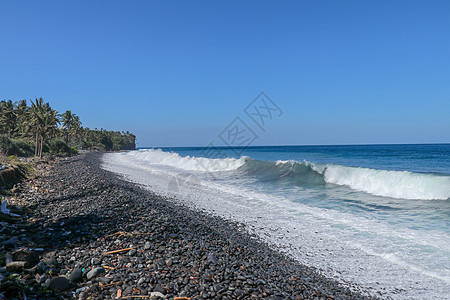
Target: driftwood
15,265
119,294
12,265
117,251
112,283
108,267
120,233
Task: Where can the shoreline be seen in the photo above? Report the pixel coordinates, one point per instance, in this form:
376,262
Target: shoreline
142,244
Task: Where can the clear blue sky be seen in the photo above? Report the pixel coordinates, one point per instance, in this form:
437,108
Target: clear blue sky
176,73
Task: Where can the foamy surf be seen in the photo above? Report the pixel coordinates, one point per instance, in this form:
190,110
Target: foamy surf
188,163
394,184
393,247
385,183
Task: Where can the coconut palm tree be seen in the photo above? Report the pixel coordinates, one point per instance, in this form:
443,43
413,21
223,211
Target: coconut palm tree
43,121
71,125
8,118
21,111
76,128
67,120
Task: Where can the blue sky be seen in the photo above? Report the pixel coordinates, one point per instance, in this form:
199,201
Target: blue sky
176,73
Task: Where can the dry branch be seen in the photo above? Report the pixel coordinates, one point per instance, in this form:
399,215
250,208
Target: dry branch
117,251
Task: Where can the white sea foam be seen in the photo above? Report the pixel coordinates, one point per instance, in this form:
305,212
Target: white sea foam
386,183
394,184
201,164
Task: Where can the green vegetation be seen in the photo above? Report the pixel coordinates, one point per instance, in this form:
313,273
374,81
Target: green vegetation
38,129
15,147
16,171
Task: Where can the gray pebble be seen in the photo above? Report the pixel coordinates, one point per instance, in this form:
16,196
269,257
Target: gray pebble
59,284
75,275
95,272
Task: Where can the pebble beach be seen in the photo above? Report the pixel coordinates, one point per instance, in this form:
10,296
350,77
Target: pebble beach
84,233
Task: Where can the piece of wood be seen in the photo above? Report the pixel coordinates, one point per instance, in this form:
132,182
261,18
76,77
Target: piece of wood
113,283
117,251
108,267
120,233
15,265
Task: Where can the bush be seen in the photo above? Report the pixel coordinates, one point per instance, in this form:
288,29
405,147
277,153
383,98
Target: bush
22,148
73,150
107,142
15,147
86,145
59,147
5,144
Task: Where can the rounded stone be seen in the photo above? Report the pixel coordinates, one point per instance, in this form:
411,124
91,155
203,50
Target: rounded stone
59,284
75,275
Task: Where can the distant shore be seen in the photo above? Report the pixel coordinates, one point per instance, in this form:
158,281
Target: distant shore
98,236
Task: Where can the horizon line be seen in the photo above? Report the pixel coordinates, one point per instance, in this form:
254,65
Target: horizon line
293,145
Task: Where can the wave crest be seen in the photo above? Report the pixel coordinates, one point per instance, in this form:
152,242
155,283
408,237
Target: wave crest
386,183
188,163
394,184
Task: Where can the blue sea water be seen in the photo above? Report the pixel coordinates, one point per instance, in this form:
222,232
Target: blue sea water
374,215
424,158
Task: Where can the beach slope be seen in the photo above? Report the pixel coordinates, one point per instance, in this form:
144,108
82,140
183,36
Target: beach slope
130,242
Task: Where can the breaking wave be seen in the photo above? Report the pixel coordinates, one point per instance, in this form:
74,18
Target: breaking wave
386,183
188,163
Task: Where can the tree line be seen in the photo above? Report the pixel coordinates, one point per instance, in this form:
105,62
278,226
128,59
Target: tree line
40,127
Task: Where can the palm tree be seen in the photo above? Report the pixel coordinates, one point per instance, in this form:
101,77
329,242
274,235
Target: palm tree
21,110
71,125
8,118
76,128
40,122
44,121
67,119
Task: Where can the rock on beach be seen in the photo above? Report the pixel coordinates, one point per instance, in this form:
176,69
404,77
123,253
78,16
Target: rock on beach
75,275
59,284
94,273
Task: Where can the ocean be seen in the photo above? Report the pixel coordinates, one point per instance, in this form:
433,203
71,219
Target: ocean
375,216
